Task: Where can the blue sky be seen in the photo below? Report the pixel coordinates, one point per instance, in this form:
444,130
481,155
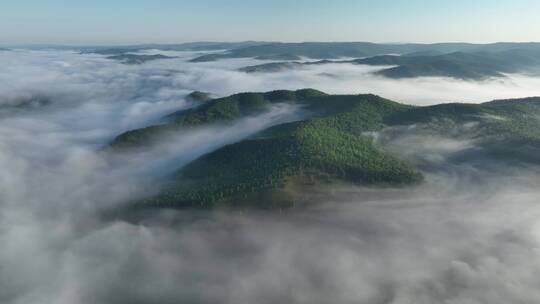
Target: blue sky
134,21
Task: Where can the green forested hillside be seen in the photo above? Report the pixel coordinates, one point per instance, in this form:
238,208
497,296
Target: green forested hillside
333,144
329,147
221,110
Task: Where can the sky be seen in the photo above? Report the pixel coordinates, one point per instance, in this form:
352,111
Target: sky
169,21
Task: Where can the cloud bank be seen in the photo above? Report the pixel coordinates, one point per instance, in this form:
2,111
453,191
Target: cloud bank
468,235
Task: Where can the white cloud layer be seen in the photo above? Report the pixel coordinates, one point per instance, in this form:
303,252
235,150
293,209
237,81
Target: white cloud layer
466,236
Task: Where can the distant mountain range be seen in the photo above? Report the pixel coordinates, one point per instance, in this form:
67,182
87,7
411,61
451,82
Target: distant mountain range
456,60
292,51
334,50
461,65
190,46
313,50
335,143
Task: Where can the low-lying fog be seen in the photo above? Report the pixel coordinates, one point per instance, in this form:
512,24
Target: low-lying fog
468,235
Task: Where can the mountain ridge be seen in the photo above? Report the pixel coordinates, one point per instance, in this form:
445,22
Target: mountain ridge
459,65
333,144
334,50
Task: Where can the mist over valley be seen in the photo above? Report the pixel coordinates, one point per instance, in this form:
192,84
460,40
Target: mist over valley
257,172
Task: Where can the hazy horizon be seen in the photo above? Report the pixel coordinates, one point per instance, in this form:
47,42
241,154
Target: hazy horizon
166,21
30,45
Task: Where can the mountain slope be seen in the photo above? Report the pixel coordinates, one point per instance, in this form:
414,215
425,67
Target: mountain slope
281,165
221,110
321,149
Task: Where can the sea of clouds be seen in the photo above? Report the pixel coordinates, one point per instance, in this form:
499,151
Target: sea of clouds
470,234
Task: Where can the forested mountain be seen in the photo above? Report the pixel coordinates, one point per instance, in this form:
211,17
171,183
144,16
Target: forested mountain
334,143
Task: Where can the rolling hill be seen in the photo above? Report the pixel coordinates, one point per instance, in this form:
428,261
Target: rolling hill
277,167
